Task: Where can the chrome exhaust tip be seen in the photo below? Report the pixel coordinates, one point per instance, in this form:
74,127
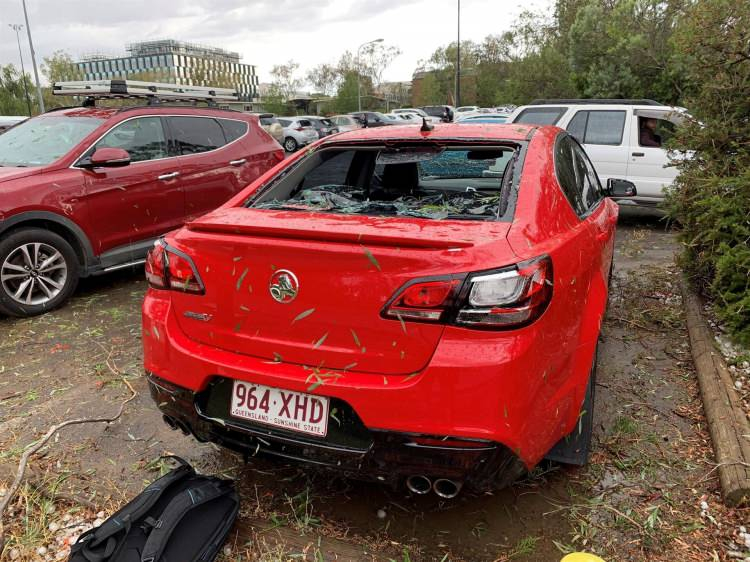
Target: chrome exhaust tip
419,484
446,488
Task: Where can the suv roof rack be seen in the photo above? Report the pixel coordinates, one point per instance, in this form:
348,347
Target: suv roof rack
154,92
596,101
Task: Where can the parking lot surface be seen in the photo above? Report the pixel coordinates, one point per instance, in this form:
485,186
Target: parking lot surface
649,492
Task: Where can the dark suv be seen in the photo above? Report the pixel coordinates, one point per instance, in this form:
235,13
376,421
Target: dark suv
87,190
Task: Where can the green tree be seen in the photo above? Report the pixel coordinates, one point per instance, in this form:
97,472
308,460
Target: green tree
12,93
711,197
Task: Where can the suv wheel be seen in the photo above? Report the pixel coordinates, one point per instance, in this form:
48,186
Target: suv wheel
38,272
290,145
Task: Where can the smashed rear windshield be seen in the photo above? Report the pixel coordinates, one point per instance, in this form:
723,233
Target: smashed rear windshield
419,181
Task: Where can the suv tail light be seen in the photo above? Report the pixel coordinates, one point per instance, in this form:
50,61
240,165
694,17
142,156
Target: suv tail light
169,268
299,129
510,297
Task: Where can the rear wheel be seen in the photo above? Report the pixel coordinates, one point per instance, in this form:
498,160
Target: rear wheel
290,145
38,272
574,448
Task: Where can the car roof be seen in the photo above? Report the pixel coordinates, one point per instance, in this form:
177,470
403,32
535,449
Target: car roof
447,131
599,106
103,112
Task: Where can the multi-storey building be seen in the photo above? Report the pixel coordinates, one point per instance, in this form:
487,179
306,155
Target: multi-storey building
176,62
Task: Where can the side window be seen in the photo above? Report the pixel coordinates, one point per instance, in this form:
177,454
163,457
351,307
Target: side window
143,138
586,175
233,129
654,132
569,174
540,115
194,135
331,172
305,123
598,127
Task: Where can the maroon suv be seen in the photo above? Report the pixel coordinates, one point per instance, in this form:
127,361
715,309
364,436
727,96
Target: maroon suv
84,191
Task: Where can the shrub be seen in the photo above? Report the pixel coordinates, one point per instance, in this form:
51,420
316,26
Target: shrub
711,197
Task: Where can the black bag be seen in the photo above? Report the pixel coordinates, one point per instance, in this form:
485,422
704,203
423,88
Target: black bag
181,517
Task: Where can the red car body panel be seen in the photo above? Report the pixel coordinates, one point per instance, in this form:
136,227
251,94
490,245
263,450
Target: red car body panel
113,207
522,388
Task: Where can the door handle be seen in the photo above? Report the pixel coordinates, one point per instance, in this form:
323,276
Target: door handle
239,162
169,176
638,154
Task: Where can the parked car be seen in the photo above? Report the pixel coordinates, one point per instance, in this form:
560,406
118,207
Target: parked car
322,125
401,305
482,117
345,123
371,118
297,133
8,121
464,110
416,110
611,131
404,118
84,191
272,126
439,113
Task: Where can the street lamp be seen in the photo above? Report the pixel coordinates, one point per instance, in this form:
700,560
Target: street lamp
359,74
17,27
33,60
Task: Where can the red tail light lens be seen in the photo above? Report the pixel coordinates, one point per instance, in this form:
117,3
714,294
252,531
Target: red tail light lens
169,268
501,299
156,271
509,298
425,301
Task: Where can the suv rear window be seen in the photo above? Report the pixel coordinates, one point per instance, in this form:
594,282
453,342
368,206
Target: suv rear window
233,129
423,181
194,135
540,115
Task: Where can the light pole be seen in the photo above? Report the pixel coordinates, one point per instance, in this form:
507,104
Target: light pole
17,27
458,59
33,59
359,74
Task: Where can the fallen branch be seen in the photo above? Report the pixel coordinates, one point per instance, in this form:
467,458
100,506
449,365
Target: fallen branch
35,447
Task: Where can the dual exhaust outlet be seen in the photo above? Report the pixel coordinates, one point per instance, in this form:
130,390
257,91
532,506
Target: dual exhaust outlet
443,487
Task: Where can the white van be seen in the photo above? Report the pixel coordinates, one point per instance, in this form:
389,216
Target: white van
623,138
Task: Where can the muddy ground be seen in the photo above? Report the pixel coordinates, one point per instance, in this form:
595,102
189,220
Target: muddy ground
650,491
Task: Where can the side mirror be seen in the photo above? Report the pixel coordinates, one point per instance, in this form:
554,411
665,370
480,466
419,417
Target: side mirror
109,158
621,188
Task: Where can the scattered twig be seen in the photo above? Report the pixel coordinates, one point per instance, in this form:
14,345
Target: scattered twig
36,446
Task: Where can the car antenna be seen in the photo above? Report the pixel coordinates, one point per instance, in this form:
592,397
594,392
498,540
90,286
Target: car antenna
426,127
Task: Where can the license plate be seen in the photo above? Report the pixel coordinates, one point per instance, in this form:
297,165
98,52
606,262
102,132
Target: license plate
287,409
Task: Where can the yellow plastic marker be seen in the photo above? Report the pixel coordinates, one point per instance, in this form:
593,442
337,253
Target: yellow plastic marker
581,557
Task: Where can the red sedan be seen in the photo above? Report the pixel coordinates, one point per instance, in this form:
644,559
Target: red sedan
410,305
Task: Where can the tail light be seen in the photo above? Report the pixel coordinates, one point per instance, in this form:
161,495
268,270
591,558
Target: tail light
501,299
426,300
299,129
169,268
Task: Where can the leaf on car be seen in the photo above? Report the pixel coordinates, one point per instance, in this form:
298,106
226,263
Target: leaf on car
411,376
237,327
236,258
318,343
155,331
372,259
241,279
243,308
277,357
350,366
403,324
356,338
303,315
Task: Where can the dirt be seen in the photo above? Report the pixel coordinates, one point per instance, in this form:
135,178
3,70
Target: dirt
642,496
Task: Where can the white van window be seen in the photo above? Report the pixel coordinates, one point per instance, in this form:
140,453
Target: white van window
653,132
540,115
598,127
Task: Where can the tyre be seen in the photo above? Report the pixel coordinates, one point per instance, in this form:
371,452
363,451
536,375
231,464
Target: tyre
38,272
574,448
290,145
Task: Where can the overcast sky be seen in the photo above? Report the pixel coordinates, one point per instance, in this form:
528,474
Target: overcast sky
263,32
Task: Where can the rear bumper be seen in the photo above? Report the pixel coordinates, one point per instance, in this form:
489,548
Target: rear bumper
384,456
513,390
